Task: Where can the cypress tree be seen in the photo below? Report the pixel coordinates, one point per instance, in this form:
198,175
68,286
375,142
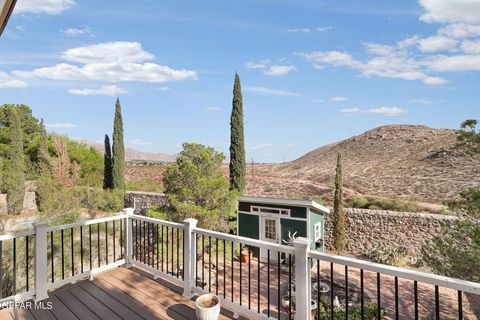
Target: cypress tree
237,143
339,239
14,168
107,165
118,150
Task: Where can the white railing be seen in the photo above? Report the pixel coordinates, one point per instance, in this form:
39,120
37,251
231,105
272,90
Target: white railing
180,252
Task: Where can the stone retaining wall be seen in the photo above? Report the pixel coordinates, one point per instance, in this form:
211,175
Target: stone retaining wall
141,201
368,229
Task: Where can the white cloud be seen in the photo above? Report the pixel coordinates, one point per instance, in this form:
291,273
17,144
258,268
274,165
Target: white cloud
388,111
437,43
455,47
43,6
434,80
323,29
263,90
338,99
109,62
318,100
102,91
164,89
140,142
257,65
421,101
350,110
262,145
212,109
75,32
117,51
278,70
12,84
320,59
61,125
456,63
460,30
450,11
303,30
469,46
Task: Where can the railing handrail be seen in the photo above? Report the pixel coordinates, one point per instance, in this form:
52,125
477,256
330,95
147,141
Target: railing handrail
158,221
86,223
403,273
10,236
245,240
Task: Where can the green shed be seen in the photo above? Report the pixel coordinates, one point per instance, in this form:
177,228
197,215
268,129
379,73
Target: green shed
273,219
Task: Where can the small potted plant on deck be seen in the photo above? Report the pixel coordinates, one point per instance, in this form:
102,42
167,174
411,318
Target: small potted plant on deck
246,254
207,307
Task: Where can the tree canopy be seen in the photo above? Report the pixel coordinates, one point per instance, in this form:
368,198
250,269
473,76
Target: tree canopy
237,143
118,150
196,188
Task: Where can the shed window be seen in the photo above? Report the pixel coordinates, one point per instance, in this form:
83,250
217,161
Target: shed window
284,212
318,231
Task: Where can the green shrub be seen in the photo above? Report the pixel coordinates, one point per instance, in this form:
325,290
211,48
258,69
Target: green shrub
354,312
144,185
359,202
53,198
157,213
393,204
398,257
98,199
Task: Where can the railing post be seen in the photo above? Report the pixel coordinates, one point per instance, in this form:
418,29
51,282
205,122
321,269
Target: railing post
190,254
128,239
40,261
302,279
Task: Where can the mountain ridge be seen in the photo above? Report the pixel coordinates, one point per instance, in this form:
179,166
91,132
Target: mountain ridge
134,155
406,161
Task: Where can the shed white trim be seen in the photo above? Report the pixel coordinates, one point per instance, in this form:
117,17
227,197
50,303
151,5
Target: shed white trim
287,202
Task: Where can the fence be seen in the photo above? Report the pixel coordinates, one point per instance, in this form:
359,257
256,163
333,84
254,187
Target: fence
290,282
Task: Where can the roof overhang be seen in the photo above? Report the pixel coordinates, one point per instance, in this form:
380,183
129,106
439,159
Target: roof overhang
6,8
286,202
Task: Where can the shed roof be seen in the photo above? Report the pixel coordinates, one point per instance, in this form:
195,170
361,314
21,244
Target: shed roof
288,202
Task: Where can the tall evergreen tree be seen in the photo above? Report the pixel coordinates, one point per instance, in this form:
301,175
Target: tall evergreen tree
14,169
237,143
107,165
118,150
339,238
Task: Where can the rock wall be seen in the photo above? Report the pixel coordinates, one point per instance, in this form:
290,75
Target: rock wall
368,229
141,201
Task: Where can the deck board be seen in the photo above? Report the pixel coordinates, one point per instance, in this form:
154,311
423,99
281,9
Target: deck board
118,294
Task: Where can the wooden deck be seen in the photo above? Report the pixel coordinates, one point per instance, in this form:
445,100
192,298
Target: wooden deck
121,293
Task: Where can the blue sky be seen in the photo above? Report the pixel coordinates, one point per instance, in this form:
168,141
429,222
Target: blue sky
312,72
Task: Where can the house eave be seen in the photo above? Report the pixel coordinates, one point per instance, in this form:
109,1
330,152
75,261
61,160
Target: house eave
5,11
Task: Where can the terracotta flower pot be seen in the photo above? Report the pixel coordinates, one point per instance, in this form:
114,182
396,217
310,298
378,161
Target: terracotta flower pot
246,255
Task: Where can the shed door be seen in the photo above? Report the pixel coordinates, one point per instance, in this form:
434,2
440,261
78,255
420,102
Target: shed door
270,232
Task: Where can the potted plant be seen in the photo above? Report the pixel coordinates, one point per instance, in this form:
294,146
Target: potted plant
286,301
246,254
207,307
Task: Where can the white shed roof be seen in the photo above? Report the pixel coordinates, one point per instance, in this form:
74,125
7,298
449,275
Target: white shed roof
286,202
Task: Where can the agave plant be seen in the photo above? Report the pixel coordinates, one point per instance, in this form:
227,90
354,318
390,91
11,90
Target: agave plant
291,238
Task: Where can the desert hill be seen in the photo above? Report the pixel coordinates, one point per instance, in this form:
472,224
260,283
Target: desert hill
408,161
135,155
